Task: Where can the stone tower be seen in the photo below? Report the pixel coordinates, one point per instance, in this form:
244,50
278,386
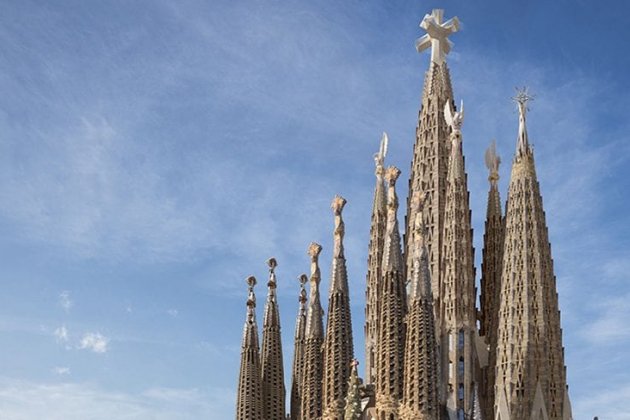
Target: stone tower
392,310
271,353
491,280
353,400
432,148
530,381
458,330
420,395
375,258
311,406
249,401
338,347
298,352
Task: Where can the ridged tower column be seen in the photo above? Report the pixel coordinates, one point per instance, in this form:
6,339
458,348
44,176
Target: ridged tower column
271,355
353,400
459,327
249,401
432,148
420,395
338,346
531,376
491,280
298,352
392,310
311,406
375,258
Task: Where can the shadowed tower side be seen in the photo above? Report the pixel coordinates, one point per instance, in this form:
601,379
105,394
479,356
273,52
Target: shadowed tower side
420,395
459,327
298,352
531,376
392,309
375,258
311,406
491,279
338,346
432,148
249,401
271,358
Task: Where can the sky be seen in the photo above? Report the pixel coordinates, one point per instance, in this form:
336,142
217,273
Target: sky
153,154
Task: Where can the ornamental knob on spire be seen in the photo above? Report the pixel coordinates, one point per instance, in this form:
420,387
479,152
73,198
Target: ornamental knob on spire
272,263
337,205
493,160
437,35
379,158
251,297
302,297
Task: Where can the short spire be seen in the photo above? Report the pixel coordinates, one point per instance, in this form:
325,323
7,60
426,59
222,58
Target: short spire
522,98
298,351
353,400
314,325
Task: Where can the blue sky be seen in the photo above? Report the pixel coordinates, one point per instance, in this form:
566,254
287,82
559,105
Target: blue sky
155,153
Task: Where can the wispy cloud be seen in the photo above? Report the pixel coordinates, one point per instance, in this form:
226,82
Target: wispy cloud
61,370
173,312
61,334
65,301
95,342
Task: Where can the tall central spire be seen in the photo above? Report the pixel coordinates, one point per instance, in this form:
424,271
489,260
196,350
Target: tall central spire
338,346
375,258
311,407
431,151
392,310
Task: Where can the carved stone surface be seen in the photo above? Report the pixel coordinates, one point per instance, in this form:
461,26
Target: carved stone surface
298,351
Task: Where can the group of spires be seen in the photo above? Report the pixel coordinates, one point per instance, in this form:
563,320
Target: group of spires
429,352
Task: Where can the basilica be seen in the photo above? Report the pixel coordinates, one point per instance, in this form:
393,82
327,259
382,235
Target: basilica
430,351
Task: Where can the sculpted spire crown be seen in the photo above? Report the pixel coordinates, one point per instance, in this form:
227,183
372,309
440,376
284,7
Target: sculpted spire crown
302,297
522,98
251,298
379,158
455,120
272,263
337,205
493,160
437,35
313,251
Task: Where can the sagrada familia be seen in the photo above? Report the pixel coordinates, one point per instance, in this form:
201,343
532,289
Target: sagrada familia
430,353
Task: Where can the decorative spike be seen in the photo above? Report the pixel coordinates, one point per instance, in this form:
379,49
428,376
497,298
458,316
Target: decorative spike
522,98
353,400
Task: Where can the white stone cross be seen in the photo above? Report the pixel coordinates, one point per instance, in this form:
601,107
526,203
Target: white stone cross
437,35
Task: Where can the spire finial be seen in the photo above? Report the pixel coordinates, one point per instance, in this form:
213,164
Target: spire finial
272,263
379,158
303,279
313,251
337,205
454,121
522,97
493,160
437,35
251,298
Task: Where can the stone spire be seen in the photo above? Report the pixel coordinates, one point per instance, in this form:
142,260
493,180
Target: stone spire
311,406
491,280
298,352
458,328
271,358
432,149
530,358
338,346
375,258
420,395
249,401
392,310
353,400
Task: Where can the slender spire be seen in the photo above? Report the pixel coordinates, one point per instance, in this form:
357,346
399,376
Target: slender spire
491,280
530,357
311,405
353,400
458,324
391,339
338,345
375,258
431,150
298,351
249,401
271,357
420,396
